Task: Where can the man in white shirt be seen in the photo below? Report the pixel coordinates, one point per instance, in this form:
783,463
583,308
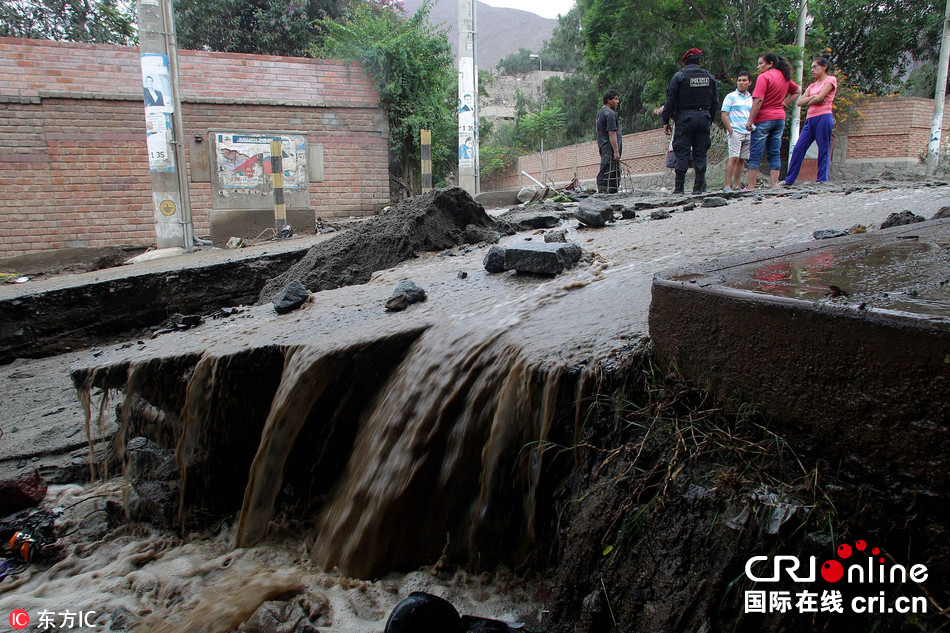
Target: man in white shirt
735,113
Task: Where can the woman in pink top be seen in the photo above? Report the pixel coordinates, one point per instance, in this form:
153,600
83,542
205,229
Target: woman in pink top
819,122
774,91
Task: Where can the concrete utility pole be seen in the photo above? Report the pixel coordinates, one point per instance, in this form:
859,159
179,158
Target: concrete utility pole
468,99
166,153
799,74
544,175
940,94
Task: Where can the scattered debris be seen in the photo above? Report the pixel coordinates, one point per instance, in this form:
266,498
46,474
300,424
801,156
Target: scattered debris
233,243
628,213
661,214
462,274
858,228
902,218
178,322
943,213
159,253
543,216
826,234
326,228
527,194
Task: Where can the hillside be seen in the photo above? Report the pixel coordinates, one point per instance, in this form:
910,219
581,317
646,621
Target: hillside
500,31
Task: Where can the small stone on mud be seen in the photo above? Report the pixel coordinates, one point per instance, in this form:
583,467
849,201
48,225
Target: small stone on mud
714,201
662,214
826,234
405,294
556,236
293,296
234,242
462,274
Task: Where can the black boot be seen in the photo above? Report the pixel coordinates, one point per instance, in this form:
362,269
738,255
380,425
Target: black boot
699,184
680,181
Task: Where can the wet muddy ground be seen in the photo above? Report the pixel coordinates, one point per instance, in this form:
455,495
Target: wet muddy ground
136,576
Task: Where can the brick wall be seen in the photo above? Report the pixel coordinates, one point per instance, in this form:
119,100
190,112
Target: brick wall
643,153
73,160
892,127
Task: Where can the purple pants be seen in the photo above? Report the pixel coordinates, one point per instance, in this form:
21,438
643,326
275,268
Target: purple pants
817,128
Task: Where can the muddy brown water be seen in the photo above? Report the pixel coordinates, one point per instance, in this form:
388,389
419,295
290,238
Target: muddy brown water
449,418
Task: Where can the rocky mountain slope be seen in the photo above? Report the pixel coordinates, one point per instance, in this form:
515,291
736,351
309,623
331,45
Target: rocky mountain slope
500,31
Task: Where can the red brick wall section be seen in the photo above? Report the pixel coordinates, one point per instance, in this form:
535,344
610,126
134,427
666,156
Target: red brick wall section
73,163
892,127
643,153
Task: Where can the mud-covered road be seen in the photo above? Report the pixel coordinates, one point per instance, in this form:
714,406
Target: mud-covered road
137,576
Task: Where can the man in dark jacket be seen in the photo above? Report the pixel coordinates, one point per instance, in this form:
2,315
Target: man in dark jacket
691,99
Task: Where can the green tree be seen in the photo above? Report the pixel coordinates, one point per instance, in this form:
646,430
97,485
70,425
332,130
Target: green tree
566,46
413,67
875,42
266,27
517,63
544,126
579,98
105,21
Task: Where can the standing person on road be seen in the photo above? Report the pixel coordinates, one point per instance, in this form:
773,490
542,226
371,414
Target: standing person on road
774,91
735,114
819,122
610,143
691,99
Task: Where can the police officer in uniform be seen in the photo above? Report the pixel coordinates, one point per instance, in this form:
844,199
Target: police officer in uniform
691,99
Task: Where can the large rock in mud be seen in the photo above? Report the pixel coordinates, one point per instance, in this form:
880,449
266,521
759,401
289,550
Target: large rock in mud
594,213
545,258
434,221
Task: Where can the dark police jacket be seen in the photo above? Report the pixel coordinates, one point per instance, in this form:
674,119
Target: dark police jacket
691,89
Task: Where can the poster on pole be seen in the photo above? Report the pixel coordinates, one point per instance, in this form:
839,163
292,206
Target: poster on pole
466,113
159,106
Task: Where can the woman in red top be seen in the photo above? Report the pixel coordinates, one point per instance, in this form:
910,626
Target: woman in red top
819,122
774,91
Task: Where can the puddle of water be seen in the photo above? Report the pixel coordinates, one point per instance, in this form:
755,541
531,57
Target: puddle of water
908,276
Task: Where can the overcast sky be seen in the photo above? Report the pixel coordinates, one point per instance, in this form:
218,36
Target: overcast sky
544,8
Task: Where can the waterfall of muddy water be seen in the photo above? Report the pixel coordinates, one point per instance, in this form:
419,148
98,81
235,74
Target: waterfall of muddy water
448,448
401,443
